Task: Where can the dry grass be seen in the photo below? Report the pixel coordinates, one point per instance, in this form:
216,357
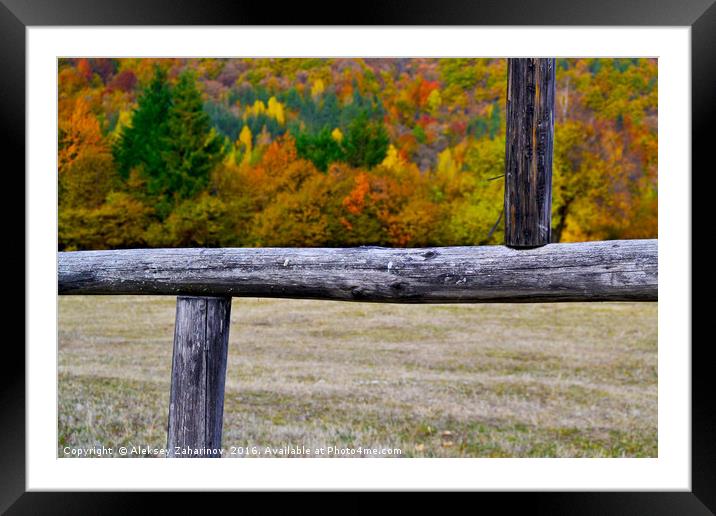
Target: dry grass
533,380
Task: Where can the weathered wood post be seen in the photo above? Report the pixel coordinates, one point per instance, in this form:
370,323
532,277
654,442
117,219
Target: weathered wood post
196,402
528,156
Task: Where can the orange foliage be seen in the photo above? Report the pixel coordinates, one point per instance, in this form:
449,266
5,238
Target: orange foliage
354,202
78,132
84,68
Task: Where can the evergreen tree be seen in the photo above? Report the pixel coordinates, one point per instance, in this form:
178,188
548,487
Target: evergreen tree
366,143
322,148
142,143
170,142
192,148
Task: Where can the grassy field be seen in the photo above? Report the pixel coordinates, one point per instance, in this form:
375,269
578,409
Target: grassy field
533,380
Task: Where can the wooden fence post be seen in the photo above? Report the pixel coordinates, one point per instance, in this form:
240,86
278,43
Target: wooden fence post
528,156
196,406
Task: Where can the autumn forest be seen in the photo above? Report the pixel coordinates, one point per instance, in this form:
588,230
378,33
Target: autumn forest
339,152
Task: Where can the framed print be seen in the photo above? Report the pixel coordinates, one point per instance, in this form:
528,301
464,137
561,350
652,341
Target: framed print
499,167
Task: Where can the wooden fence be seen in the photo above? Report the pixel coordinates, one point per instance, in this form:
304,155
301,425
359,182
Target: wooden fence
527,269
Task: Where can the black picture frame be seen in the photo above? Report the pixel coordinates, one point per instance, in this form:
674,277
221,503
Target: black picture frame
700,15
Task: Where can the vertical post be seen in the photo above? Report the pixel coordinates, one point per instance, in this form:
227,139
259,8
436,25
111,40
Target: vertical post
196,404
528,156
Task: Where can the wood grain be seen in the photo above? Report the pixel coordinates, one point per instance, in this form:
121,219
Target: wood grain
528,153
196,406
618,270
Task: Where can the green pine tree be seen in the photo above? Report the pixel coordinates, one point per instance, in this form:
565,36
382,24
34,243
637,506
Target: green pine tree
192,148
366,143
322,149
141,144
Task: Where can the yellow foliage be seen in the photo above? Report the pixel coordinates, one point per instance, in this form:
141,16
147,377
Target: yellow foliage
194,223
276,110
124,120
337,135
256,109
317,88
246,138
297,218
120,222
447,164
393,160
87,180
434,100
230,158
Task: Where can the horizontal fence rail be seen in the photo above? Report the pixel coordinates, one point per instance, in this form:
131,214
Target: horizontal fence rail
618,270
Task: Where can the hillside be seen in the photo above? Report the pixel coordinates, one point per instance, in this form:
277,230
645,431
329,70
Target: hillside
338,152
